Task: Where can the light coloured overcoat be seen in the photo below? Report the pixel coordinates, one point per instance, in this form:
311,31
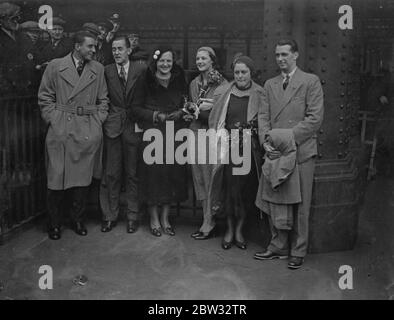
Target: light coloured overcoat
75,108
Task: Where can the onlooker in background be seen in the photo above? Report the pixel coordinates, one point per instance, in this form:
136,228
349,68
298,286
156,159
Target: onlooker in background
107,33
16,52
137,53
58,46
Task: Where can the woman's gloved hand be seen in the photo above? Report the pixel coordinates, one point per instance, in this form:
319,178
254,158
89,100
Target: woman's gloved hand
175,115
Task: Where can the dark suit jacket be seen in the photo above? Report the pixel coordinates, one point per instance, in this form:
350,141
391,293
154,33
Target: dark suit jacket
300,108
121,105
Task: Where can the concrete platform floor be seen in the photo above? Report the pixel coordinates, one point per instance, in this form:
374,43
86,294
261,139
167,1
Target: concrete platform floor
140,266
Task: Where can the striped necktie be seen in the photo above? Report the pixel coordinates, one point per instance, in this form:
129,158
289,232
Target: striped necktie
286,82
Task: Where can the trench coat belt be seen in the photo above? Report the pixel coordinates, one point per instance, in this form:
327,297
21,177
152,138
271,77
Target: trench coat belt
80,110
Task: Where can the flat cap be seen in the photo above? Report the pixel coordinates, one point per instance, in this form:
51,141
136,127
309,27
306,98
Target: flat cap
30,25
91,27
9,9
56,21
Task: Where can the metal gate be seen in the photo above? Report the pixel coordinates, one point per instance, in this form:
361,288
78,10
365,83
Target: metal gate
22,162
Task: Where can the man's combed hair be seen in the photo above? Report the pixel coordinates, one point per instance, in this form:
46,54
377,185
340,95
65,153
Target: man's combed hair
122,37
79,37
292,43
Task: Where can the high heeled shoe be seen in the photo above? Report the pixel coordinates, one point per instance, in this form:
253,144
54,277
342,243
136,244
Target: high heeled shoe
196,233
156,232
226,245
242,245
205,236
170,231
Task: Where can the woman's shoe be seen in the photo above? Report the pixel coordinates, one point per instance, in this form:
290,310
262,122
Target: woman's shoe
205,236
197,233
170,231
156,232
241,245
226,245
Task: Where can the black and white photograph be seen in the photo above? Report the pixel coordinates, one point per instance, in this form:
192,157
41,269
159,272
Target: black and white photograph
197,155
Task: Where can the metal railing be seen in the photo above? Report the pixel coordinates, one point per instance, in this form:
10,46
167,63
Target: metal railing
22,162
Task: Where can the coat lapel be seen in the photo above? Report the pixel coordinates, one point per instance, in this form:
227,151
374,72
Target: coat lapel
294,84
114,78
253,105
88,75
131,78
68,71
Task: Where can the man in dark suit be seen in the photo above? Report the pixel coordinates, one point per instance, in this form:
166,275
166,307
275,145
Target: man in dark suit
122,136
292,100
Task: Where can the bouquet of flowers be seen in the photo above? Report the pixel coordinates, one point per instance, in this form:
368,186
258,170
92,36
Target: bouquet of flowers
253,133
191,108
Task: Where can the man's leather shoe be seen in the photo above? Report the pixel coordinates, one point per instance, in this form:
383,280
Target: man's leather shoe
107,226
80,229
268,255
54,233
295,263
132,226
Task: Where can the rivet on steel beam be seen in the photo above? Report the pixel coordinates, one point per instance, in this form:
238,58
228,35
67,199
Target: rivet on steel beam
340,118
323,69
320,155
343,83
340,130
321,131
324,45
340,142
323,82
342,94
320,143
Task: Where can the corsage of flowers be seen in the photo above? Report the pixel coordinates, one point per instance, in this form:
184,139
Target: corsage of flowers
156,54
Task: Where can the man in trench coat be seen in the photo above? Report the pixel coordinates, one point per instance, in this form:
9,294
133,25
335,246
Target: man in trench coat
74,103
292,100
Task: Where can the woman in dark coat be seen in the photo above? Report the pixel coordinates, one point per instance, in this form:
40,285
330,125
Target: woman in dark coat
235,107
166,182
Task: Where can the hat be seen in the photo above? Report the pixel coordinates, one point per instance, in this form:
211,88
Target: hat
30,26
133,35
9,9
245,60
91,27
207,49
105,24
56,21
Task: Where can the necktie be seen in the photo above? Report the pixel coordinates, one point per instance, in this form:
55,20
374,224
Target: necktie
122,76
80,67
286,82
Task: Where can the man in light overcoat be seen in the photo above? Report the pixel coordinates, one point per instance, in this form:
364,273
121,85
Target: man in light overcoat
74,103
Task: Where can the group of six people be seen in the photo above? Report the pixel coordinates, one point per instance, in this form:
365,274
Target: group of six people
97,117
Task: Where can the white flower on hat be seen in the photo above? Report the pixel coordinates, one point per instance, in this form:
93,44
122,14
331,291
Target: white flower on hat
156,55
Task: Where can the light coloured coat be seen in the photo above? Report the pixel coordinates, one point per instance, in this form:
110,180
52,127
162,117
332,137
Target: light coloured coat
73,142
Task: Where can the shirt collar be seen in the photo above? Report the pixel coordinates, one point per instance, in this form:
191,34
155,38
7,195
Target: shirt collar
126,67
290,74
75,60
